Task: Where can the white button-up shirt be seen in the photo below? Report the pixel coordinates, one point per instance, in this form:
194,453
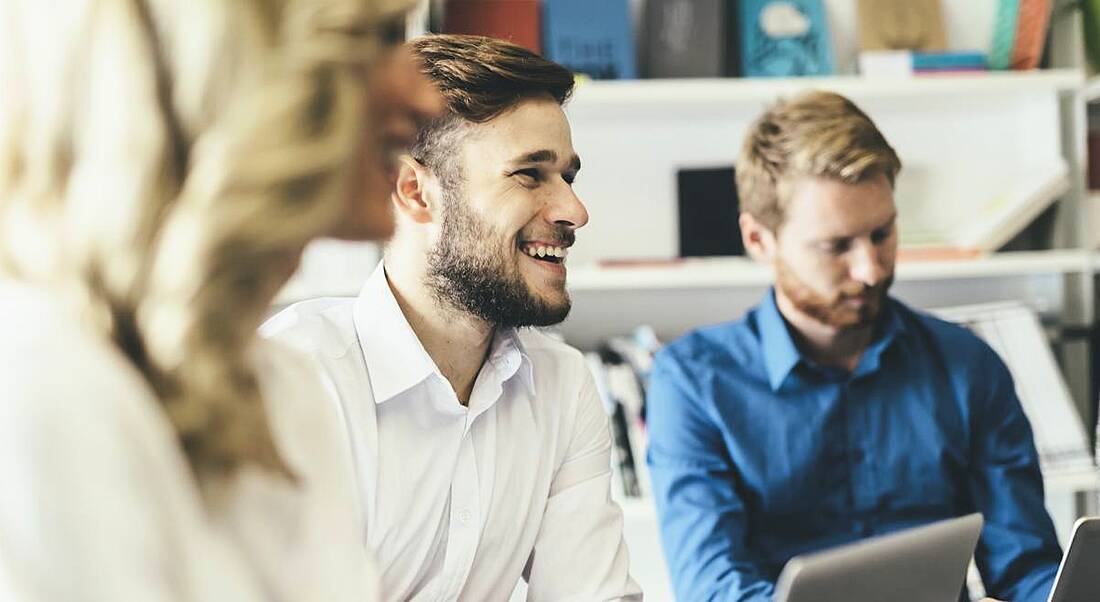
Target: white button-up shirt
460,502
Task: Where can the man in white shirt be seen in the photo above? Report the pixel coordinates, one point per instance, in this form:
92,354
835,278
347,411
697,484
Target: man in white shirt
481,447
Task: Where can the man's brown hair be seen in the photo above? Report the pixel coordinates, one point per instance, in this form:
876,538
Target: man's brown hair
818,134
479,78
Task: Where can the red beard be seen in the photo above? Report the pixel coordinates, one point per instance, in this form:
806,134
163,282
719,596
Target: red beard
832,310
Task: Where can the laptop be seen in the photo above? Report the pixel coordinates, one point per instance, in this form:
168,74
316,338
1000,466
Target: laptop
925,564
1078,579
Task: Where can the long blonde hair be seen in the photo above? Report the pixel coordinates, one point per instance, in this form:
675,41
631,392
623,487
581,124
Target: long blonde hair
162,165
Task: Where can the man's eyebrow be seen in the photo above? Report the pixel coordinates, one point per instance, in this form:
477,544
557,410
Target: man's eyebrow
889,222
539,156
547,156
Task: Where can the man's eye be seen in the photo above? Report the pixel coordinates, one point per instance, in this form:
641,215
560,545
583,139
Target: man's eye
569,178
529,173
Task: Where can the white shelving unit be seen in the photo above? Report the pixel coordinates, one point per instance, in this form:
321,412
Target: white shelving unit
691,94
727,272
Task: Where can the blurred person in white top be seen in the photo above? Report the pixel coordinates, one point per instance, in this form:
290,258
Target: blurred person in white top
162,164
481,447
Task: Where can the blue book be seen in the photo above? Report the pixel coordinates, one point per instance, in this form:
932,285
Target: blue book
932,61
593,37
783,38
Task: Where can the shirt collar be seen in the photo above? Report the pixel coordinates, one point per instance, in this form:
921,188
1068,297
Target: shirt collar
508,358
781,355
891,326
397,361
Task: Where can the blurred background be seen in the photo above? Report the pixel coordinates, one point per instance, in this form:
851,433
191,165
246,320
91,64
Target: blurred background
991,104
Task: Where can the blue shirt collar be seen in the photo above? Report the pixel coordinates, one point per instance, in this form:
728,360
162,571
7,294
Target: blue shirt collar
781,355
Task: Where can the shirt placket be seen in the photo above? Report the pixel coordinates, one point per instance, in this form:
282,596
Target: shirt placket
463,533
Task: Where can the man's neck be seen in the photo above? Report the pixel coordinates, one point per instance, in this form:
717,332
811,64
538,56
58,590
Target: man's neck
457,342
826,345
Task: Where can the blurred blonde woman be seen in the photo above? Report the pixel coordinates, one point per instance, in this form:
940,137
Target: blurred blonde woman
162,165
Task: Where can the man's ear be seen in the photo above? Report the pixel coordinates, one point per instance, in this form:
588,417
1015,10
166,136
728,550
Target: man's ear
759,240
410,196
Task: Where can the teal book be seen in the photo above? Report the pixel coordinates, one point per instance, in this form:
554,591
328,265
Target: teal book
1004,34
594,37
784,38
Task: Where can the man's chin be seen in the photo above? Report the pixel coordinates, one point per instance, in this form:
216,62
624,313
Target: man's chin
551,313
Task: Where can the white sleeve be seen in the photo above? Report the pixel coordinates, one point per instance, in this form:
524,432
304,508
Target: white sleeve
579,553
79,519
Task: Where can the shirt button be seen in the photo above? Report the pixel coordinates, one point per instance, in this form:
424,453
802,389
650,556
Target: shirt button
465,516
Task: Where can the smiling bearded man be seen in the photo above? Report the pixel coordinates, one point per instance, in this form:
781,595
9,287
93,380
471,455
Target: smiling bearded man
482,450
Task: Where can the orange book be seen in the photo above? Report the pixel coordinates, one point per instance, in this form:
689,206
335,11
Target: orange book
1031,33
517,21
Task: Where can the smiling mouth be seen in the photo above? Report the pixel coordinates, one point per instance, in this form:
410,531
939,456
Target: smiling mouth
544,252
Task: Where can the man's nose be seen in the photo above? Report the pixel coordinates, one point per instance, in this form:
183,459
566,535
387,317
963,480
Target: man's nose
566,208
868,264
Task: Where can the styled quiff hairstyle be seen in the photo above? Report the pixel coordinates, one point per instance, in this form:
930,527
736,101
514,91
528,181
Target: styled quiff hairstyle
479,78
817,134
162,165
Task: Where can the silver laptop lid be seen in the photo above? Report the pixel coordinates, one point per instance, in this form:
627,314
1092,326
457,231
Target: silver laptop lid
924,564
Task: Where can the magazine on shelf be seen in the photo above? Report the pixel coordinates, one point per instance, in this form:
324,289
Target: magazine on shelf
1014,332
1011,204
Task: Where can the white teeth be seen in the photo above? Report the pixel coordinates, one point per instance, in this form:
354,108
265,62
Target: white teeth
534,251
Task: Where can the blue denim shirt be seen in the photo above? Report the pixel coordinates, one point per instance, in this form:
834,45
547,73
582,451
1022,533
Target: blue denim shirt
757,453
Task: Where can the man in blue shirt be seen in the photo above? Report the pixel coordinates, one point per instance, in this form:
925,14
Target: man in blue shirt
832,412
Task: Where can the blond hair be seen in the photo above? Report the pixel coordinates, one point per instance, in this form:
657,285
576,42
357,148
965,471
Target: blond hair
817,134
162,165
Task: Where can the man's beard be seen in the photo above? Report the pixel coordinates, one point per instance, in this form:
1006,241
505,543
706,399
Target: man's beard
831,310
485,285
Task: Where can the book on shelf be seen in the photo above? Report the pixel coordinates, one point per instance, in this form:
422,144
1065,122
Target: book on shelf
590,37
901,25
1031,33
518,21
620,369
782,38
1004,34
876,63
691,38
